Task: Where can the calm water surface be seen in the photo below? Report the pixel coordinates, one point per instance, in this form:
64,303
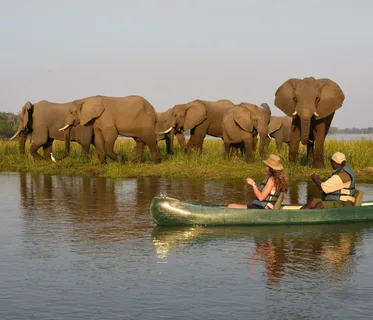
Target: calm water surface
87,248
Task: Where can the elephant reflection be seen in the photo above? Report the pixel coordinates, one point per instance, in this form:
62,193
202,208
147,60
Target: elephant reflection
70,201
311,103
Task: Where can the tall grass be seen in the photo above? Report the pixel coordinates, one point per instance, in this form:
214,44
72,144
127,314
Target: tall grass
208,164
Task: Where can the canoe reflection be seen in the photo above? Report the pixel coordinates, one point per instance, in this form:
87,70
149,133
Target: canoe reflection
302,251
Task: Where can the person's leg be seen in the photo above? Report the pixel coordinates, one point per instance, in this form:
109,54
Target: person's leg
237,206
319,205
309,205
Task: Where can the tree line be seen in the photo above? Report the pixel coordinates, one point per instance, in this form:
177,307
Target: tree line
9,123
335,130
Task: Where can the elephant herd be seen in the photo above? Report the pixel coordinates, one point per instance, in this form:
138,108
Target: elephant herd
309,105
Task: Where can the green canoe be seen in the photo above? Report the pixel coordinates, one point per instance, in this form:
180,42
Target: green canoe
169,211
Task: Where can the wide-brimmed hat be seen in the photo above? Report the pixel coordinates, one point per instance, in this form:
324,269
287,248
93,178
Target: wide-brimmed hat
273,161
338,157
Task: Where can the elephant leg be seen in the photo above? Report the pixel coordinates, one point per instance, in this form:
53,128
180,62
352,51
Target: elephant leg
47,148
226,145
294,144
310,152
197,136
227,148
278,145
255,142
151,142
242,149
279,138
40,138
110,136
139,150
181,139
168,144
85,149
249,157
99,143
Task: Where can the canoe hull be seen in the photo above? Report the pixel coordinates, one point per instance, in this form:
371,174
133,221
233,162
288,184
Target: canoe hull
169,211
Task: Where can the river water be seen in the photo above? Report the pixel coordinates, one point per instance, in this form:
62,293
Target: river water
87,248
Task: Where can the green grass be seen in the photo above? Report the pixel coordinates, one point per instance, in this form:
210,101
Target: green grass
209,164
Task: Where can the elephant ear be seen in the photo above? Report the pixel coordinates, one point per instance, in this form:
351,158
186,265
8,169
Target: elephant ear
26,113
242,116
90,110
331,98
168,117
274,124
284,96
195,114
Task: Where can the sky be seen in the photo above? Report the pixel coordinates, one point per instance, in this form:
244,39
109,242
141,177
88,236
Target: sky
173,52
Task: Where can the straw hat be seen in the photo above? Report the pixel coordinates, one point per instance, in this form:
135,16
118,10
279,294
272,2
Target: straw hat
273,161
338,157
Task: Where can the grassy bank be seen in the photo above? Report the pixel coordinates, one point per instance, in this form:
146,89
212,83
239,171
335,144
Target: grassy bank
210,164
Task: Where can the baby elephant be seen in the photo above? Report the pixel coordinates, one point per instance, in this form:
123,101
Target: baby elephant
241,126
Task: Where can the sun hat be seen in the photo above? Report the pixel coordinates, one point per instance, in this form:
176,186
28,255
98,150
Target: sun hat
273,161
338,157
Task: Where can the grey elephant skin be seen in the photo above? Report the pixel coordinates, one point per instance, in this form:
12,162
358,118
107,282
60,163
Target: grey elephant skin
241,126
168,137
42,120
311,103
131,116
202,118
279,129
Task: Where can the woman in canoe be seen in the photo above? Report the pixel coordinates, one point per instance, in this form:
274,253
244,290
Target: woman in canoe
269,189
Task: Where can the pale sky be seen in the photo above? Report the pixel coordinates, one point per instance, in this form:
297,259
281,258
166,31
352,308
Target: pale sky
175,51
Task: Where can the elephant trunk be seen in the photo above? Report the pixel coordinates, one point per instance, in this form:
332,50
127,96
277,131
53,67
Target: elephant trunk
263,140
22,141
305,131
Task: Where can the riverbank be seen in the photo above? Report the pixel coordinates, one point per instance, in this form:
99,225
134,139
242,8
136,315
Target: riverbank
208,165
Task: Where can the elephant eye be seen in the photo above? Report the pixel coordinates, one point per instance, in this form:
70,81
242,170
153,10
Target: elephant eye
317,99
295,98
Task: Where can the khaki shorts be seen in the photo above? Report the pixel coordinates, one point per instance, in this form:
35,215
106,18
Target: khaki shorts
334,203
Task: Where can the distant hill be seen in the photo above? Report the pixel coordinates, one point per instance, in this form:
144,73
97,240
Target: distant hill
335,130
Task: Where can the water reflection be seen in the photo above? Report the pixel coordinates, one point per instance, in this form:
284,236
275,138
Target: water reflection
89,211
326,252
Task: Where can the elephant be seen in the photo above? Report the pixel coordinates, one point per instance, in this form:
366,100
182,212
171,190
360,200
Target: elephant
201,117
42,121
131,116
241,126
311,103
163,126
279,128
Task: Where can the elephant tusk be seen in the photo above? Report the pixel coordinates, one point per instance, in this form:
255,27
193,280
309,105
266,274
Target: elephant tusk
294,113
316,114
165,132
64,128
269,136
15,135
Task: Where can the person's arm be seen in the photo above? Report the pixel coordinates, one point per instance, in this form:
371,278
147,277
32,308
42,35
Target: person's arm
316,179
266,191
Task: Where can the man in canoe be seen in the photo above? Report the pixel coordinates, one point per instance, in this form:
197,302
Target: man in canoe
270,188
339,189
